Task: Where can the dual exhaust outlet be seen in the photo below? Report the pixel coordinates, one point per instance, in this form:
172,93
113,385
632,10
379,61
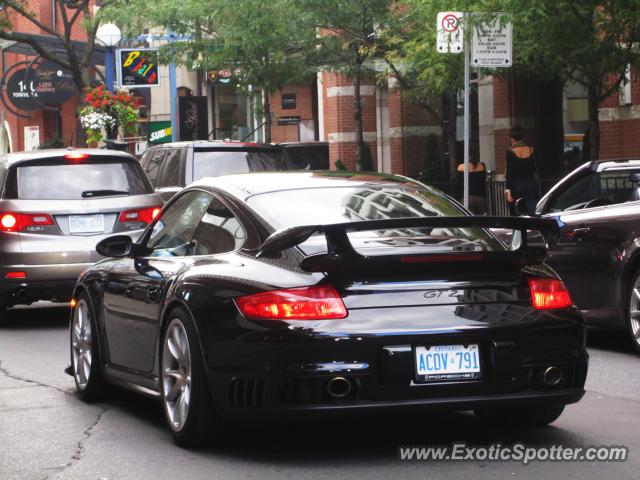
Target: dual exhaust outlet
339,387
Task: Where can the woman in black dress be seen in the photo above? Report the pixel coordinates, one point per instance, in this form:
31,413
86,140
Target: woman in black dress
521,173
477,185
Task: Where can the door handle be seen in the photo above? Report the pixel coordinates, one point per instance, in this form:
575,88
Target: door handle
581,232
578,233
152,293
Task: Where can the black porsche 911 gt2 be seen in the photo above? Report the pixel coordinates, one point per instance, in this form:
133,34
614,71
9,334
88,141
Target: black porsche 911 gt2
327,292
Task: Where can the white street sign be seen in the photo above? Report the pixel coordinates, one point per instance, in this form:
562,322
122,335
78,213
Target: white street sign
491,45
450,35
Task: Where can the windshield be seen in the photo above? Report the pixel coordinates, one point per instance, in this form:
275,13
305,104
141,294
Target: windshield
609,187
213,163
346,204
68,181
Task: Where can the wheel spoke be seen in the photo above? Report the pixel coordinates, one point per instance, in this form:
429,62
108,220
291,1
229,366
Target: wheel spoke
636,293
174,391
183,407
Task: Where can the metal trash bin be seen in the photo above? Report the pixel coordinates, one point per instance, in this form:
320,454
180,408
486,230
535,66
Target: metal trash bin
496,201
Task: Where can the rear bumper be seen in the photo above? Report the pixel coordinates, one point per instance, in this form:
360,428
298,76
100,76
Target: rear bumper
350,408
41,282
291,375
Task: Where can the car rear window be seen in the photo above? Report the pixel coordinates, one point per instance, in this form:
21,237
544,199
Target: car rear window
214,163
290,208
60,179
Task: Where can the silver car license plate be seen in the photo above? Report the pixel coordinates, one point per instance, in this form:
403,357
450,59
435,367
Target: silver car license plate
447,362
86,223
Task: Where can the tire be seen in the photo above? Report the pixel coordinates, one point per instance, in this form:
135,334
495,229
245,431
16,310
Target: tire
520,417
86,364
186,402
633,311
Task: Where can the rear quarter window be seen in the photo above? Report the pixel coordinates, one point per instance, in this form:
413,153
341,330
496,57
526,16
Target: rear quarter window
60,179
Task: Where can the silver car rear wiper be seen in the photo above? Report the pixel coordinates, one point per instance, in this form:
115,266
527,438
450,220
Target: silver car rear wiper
102,193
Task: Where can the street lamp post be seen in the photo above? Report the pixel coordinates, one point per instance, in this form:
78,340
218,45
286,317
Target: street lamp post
108,35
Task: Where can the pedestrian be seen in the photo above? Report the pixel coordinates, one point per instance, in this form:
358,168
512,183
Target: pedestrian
477,185
521,173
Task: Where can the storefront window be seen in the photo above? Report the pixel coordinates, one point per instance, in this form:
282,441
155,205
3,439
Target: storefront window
233,115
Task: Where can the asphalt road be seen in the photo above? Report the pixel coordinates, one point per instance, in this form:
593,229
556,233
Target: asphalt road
46,432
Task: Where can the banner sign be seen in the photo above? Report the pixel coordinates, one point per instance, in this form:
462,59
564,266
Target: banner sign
219,77
137,67
193,118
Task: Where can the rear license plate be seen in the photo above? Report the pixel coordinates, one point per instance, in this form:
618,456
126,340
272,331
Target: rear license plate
86,223
447,362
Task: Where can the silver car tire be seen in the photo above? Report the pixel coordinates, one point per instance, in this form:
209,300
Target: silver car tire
186,402
85,358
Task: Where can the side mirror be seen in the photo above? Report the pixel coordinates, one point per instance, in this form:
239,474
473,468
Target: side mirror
635,179
116,246
521,208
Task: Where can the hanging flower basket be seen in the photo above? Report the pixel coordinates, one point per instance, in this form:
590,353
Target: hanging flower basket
105,112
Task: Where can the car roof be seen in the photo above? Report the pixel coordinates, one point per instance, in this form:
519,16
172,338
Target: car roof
602,165
17,157
246,185
214,144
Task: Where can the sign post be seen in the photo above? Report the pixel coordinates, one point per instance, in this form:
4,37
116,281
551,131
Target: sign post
491,47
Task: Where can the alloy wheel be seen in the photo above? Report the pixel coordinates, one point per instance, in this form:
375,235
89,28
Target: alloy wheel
81,343
176,374
634,311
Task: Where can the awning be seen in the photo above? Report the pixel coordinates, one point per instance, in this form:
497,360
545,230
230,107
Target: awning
52,45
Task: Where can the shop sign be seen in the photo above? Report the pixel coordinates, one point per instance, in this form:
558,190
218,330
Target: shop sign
137,67
159,132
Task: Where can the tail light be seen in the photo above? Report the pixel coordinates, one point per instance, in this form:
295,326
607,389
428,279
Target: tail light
140,215
16,222
320,302
76,156
549,293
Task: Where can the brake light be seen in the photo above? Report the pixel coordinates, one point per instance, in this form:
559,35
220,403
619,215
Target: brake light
16,222
15,275
76,156
320,302
140,215
549,293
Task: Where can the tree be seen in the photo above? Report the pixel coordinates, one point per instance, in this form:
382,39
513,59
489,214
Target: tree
264,42
350,37
73,14
592,42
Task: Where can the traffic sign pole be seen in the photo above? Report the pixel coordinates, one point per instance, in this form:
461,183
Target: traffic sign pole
466,119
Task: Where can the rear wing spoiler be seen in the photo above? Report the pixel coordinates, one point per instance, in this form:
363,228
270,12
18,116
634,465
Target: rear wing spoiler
338,243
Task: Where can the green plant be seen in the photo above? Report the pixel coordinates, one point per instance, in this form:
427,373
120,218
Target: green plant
367,159
340,165
55,142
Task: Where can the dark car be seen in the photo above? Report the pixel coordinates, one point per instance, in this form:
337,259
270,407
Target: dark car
238,302
171,166
307,155
55,205
598,254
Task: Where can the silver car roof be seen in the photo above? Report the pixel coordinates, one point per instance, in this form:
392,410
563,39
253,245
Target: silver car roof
12,158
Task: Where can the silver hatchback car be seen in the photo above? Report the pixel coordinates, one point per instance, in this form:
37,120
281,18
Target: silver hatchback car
55,206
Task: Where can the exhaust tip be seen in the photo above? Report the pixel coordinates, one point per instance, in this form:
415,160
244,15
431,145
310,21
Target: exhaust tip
338,387
552,376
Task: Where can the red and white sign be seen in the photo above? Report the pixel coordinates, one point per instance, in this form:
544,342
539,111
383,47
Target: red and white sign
450,33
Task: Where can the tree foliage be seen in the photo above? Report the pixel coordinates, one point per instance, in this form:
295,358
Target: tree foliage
72,15
262,41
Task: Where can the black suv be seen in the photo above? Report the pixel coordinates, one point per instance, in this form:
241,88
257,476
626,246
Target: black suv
171,166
